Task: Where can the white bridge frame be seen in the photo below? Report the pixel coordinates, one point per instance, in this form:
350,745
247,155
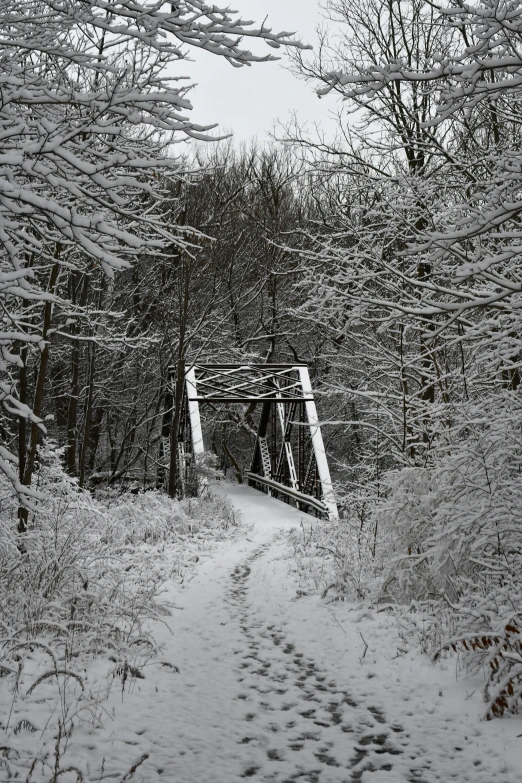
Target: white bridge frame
284,386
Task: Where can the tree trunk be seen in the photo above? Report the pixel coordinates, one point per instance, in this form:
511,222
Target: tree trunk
165,435
30,457
95,433
22,421
183,298
174,430
232,459
72,412
87,420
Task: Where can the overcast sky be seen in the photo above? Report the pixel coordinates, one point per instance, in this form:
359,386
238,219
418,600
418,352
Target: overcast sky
249,100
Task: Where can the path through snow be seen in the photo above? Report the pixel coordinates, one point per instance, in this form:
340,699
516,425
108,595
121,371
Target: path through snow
276,686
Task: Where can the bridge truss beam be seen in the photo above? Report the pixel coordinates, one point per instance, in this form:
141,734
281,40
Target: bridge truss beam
289,458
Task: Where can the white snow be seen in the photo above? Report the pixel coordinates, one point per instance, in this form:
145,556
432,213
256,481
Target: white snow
257,680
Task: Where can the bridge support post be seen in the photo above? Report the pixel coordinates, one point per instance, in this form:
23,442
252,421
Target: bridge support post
195,419
198,447
318,446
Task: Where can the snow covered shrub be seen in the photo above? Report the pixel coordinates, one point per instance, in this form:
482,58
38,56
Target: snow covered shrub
453,532
491,639
74,590
341,558
146,518
82,584
458,521
100,562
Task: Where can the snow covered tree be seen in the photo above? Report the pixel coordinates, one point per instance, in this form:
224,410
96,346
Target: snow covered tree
227,299
471,236
418,272
425,233
89,114
378,184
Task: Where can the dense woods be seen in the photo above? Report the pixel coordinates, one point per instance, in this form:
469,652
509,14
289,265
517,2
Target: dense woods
387,259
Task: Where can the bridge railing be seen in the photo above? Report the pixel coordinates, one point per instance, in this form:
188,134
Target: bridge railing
307,500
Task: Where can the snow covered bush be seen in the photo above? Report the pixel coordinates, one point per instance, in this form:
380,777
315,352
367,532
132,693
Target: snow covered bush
340,559
443,544
78,590
490,638
454,533
458,521
87,561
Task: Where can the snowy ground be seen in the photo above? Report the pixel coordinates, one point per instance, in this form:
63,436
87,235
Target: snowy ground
259,681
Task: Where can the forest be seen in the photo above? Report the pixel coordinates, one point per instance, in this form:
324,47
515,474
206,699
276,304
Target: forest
386,258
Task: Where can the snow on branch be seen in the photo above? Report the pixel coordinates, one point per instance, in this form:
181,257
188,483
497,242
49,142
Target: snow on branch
88,121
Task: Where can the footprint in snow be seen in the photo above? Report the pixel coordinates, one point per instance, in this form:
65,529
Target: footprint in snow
341,715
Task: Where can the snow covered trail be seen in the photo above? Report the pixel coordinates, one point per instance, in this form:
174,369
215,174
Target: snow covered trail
274,685
250,703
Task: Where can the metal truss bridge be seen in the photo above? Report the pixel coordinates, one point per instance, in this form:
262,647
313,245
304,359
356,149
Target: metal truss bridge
289,459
